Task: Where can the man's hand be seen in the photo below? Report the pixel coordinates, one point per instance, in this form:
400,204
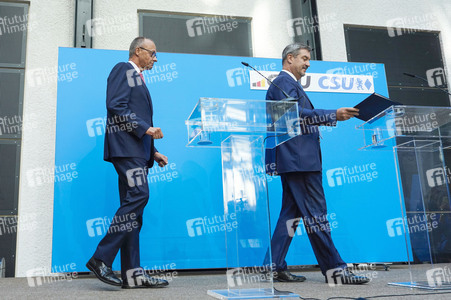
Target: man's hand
346,113
155,132
161,159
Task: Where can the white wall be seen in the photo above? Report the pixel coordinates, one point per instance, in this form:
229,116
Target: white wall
54,27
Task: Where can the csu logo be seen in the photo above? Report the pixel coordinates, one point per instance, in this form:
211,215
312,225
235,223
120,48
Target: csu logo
235,77
394,227
195,227
335,177
136,177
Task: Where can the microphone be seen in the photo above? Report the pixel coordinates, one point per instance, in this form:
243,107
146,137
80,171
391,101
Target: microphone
285,93
425,80
410,75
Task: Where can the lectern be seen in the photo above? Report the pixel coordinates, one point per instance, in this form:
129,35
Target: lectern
420,138
243,129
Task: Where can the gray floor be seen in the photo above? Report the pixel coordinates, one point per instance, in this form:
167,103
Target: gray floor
195,286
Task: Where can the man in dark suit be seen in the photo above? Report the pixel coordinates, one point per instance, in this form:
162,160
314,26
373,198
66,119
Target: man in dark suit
298,162
129,145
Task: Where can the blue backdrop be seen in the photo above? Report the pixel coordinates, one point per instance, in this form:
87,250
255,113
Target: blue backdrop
190,187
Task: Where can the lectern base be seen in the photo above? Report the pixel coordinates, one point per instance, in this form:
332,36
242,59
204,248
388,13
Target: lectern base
250,294
422,285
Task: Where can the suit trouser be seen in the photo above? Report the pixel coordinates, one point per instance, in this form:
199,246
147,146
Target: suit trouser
303,196
125,227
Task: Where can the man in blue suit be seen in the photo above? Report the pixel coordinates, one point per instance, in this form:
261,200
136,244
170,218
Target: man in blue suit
129,145
298,162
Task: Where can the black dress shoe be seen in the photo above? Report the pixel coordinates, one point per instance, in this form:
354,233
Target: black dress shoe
103,272
345,276
285,276
144,281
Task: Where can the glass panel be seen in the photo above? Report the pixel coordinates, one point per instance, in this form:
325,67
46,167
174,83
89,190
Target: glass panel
245,197
213,120
241,127
405,123
424,181
421,139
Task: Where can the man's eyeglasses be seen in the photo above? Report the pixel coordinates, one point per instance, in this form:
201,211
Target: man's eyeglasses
151,52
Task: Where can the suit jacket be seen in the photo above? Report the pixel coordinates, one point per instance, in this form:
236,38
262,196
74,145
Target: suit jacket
301,153
129,115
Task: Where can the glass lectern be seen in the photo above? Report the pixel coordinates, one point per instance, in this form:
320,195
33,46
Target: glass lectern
244,129
420,138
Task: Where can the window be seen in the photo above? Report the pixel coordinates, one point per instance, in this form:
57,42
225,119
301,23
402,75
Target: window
200,34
